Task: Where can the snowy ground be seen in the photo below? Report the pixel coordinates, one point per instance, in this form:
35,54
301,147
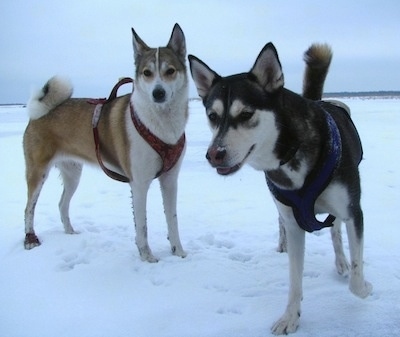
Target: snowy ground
233,282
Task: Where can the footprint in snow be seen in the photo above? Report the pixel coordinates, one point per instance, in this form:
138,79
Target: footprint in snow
229,311
71,260
240,257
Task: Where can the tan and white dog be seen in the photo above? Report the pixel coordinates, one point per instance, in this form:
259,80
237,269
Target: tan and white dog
140,137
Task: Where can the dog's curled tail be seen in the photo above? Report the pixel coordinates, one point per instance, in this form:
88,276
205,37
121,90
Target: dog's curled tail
318,58
55,91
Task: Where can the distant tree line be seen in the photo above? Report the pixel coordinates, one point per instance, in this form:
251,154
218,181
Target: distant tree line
378,94
382,94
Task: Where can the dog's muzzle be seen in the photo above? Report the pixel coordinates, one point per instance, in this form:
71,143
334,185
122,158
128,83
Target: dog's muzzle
216,157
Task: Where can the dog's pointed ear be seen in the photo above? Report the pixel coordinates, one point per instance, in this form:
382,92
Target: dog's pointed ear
268,69
139,47
202,76
177,43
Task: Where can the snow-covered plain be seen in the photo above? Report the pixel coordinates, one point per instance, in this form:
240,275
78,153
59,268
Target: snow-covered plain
232,283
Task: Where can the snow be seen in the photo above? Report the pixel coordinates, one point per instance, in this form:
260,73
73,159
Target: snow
232,283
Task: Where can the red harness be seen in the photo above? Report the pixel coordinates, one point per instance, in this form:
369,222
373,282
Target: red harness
169,154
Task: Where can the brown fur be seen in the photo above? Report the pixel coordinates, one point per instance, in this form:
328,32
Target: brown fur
67,130
60,133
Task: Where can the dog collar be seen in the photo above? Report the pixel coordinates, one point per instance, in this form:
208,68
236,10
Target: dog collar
169,153
303,200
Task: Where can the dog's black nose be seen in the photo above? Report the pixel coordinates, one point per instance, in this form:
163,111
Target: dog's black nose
159,95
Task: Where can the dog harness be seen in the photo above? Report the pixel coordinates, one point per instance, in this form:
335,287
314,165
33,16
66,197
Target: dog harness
302,201
169,154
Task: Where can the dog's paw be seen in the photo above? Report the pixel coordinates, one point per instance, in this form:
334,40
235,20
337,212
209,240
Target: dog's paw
281,247
178,252
288,323
342,266
148,257
361,289
72,232
31,241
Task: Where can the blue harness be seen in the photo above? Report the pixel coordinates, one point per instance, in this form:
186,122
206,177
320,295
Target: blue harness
303,200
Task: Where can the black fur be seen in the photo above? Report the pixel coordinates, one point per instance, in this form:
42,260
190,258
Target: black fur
289,145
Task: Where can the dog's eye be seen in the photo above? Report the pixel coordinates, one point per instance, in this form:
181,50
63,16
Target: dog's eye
245,115
213,117
170,71
147,73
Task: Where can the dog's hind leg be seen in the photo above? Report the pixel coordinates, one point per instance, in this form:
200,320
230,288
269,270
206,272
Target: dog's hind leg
289,321
282,244
169,190
35,177
70,173
358,285
342,266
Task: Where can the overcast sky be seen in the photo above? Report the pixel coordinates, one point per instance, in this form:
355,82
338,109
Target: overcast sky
90,41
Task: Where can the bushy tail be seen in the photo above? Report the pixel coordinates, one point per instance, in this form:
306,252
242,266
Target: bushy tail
318,58
55,91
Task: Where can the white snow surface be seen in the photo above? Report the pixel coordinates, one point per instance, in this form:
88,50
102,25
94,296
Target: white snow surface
232,283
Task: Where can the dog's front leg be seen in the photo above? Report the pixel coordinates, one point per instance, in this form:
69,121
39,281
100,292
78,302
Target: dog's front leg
169,190
289,321
139,201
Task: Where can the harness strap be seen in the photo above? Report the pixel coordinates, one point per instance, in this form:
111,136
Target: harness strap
112,174
169,154
95,121
303,200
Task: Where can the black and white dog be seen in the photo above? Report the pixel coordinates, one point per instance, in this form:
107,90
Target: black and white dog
308,149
